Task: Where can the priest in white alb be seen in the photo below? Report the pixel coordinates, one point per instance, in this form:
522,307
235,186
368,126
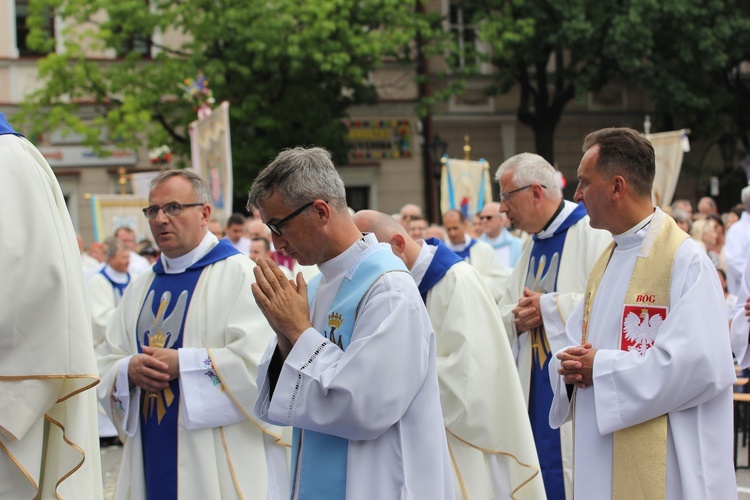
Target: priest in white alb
647,377
48,442
489,436
547,283
183,348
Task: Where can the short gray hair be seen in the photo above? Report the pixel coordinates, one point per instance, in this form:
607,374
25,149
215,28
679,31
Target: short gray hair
301,175
114,246
200,186
530,168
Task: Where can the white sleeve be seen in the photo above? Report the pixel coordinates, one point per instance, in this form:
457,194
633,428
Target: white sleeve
205,402
560,411
125,403
359,393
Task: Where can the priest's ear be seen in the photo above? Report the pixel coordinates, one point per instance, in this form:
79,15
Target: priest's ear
398,244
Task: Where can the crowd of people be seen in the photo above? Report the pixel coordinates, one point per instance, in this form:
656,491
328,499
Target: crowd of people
546,348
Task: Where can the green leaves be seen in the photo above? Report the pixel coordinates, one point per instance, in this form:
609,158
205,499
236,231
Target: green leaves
289,68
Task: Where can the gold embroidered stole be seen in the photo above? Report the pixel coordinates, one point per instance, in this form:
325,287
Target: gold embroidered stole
639,461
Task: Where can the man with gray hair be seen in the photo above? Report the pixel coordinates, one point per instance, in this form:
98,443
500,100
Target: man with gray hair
736,246
353,365
182,352
547,282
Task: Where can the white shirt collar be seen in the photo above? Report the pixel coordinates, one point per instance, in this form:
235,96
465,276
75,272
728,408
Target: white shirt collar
564,213
424,259
116,276
340,264
179,264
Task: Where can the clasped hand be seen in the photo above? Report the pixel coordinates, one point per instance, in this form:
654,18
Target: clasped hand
577,365
527,314
282,301
154,368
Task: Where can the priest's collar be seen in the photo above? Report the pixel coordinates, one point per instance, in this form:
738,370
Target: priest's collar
635,234
426,253
461,246
563,211
179,264
639,226
116,276
341,263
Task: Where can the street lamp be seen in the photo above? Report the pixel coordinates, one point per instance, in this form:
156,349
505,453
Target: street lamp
438,148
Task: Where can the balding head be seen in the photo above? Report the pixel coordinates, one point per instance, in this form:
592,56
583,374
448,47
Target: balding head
388,230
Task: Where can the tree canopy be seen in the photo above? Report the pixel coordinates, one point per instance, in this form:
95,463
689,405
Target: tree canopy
682,53
289,68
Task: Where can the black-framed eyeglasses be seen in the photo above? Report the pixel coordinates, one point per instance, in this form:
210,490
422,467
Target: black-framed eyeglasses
275,227
171,209
507,196
488,217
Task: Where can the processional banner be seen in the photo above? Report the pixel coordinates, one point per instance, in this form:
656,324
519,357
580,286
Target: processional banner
211,151
669,148
464,185
111,211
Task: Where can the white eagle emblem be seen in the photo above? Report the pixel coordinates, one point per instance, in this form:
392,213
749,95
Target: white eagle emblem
641,330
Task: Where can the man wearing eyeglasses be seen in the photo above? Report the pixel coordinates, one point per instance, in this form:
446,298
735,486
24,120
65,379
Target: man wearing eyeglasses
547,283
353,365
183,346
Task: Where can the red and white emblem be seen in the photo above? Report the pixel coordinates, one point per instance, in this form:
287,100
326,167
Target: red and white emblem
639,327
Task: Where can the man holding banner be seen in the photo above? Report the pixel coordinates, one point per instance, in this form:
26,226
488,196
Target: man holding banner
648,384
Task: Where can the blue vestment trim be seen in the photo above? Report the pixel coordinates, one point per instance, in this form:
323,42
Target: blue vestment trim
465,254
118,288
6,128
442,261
160,324
542,277
323,459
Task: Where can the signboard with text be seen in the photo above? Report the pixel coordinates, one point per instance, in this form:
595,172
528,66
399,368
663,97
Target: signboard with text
379,139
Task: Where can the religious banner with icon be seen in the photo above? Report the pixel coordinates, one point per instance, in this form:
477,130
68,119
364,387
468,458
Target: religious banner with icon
378,139
464,185
669,148
211,149
111,211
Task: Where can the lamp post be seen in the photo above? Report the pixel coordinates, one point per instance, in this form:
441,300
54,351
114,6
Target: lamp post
437,150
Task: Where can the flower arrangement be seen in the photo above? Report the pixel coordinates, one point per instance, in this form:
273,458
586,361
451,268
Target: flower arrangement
160,155
197,92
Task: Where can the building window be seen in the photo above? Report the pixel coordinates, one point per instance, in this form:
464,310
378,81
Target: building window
138,43
460,19
23,28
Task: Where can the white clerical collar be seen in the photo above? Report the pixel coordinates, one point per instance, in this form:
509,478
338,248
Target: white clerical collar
564,213
424,259
179,264
635,233
116,276
461,246
338,265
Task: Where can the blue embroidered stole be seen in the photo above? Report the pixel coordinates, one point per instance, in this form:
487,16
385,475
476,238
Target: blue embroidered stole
465,254
6,128
544,265
322,458
442,261
117,288
160,324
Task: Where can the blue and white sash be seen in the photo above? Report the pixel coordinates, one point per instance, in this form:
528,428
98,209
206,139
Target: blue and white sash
322,458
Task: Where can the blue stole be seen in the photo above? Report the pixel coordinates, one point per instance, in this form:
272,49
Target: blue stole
542,277
443,260
464,254
160,324
5,127
118,288
323,460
